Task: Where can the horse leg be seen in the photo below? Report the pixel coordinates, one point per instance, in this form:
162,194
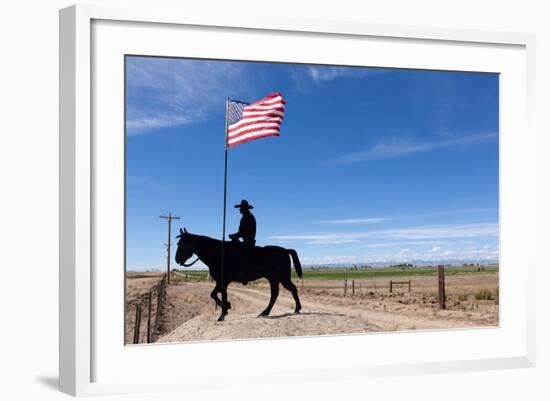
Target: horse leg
289,285
214,295
274,294
224,304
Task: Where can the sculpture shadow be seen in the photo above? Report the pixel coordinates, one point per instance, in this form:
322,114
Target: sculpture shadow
283,315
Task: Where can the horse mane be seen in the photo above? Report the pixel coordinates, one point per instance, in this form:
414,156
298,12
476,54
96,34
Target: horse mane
204,238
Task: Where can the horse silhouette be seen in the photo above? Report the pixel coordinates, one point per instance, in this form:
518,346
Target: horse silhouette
270,262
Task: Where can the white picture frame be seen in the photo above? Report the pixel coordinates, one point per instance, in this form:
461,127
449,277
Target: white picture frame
94,361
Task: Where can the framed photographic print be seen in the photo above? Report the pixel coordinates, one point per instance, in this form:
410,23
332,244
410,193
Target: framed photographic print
355,196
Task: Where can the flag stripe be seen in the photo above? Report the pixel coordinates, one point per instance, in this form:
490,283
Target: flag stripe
278,100
252,121
269,100
277,110
254,128
260,120
267,113
277,106
278,103
250,137
257,120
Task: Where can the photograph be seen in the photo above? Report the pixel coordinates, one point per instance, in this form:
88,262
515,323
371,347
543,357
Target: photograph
278,200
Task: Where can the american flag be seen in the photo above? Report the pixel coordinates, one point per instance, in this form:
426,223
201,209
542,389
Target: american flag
255,120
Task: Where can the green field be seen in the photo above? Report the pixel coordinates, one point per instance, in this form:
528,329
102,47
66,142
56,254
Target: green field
363,273
191,275
340,274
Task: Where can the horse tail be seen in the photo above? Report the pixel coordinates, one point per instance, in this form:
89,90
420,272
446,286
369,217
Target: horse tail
295,261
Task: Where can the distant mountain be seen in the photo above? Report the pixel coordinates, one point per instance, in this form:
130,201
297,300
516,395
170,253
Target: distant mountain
414,262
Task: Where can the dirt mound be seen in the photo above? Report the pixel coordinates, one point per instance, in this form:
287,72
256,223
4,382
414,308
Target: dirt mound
278,324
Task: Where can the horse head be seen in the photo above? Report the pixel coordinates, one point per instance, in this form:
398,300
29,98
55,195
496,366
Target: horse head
185,247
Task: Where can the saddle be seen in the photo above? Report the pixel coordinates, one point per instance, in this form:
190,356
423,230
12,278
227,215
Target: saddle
246,255
238,248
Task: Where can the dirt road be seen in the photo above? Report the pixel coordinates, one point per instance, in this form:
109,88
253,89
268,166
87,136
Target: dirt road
321,315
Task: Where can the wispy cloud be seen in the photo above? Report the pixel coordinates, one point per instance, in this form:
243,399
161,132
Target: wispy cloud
138,125
382,244
435,232
408,146
407,255
375,220
443,231
456,211
167,92
326,73
371,220
406,243
334,241
332,259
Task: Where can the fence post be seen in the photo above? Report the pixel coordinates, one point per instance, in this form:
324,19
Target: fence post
441,282
391,286
345,286
409,285
159,306
137,324
352,287
149,296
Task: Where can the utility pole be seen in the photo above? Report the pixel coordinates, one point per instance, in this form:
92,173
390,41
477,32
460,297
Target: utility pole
170,217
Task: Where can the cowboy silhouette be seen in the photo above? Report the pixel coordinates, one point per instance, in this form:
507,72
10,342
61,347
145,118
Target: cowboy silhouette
247,231
247,227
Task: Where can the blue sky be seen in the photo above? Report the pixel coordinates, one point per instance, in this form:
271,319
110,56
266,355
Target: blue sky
372,165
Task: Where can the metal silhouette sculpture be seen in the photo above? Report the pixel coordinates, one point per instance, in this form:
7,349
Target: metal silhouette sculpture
270,262
247,227
247,232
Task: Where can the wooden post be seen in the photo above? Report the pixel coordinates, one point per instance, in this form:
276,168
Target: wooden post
409,285
159,305
170,217
164,282
352,287
149,296
391,286
137,324
345,286
441,281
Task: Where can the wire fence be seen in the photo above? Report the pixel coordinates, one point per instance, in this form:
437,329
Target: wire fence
144,315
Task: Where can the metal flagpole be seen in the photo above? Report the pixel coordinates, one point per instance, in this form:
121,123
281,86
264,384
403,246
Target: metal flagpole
224,295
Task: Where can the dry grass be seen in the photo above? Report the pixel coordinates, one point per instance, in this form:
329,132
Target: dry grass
485,294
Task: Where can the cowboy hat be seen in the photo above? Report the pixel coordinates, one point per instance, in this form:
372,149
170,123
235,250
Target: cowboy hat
244,205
